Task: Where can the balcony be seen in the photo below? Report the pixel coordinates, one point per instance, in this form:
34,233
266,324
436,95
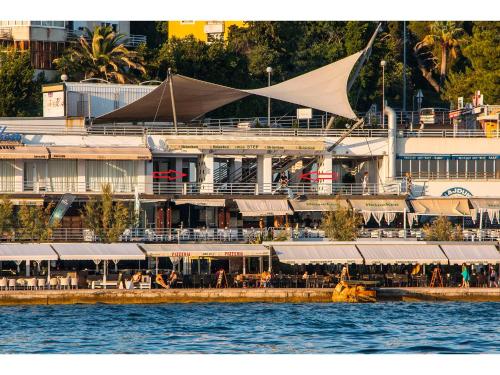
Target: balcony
131,40
5,33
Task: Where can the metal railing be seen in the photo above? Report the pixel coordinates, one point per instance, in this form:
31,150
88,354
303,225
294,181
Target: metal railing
429,133
225,188
242,235
131,40
487,175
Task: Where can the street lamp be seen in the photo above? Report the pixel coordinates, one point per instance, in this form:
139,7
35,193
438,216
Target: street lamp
269,70
382,64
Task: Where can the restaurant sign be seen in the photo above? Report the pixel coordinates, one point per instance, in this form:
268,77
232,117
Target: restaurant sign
456,191
9,137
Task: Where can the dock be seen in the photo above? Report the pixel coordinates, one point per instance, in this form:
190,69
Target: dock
234,295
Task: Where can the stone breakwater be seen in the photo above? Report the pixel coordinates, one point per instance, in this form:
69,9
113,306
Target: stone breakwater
155,296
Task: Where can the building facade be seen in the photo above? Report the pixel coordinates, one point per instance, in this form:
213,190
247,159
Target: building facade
207,31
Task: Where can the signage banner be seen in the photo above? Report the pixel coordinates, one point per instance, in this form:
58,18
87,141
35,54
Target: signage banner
62,207
446,157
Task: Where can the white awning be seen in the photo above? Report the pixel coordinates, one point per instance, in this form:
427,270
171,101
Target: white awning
324,88
318,205
31,251
404,253
489,205
263,207
205,250
317,253
98,251
471,253
202,202
379,205
441,206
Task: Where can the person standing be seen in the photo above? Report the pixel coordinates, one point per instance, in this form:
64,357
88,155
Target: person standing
409,184
493,283
364,184
465,277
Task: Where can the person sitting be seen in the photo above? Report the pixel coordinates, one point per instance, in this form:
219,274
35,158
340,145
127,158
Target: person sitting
172,279
238,280
159,280
136,278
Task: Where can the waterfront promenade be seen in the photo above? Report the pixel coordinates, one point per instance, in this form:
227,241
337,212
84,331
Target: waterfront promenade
235,295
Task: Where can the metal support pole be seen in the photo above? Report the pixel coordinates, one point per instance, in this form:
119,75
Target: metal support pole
170,84
404,222
244,266
156,266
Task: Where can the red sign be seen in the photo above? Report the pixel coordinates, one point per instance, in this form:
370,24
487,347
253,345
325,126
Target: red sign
170,175
315,176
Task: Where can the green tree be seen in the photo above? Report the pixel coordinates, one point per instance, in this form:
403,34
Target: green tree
443,41
20,90
101,54
441,229
482,67
34,222
6,217
106,218
341,224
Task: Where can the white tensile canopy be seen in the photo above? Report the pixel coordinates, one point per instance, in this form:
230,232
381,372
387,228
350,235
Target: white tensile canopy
317,253
324,88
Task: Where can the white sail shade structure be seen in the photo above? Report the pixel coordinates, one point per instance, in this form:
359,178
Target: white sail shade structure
441,206
263,207
324,88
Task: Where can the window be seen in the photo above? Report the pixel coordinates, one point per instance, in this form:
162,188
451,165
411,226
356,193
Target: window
62,175
44,53
213,37
58,24
7,175
121,174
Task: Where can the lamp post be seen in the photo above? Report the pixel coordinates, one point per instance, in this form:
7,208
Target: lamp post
382,64
269,70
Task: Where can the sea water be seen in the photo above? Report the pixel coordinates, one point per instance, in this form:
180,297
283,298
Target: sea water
386,327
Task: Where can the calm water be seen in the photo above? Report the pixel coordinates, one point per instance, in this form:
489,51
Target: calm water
252,328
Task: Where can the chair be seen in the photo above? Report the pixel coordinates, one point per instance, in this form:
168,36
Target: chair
64,283
31,284
21,283
41,283
3,283
53,283
12,284
74,282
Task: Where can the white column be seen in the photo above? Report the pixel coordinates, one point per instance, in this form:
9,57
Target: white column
206,173
325,169
235,170
178,165
19,175
27,268
383,174
265,173
144,176
80,170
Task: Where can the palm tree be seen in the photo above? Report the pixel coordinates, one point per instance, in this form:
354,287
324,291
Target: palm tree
444,35
102,54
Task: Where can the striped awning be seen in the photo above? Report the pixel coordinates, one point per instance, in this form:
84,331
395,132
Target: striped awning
24,152
403,253
205,250
471,253
317,253
100,153
98,251
441,206
30,251
263,207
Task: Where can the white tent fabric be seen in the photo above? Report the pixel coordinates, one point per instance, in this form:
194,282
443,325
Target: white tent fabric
473,215
489,205
31,251
472,253
403,253
205,250
441,206
412,218
378,215
324,88
318,205
98,251
389,217
318,254
366,216
493,213
263,207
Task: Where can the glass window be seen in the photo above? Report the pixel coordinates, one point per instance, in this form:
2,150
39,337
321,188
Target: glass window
62,175
121,174
7,175
461,168
441,168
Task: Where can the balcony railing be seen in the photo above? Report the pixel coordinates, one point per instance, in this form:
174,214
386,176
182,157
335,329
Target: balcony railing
196,188
242,235
131,40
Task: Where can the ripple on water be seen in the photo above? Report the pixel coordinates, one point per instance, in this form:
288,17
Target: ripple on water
392,327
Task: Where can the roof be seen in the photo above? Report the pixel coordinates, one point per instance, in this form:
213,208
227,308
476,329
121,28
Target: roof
471,253
30,251
98,251
402,253
304,253
205,250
